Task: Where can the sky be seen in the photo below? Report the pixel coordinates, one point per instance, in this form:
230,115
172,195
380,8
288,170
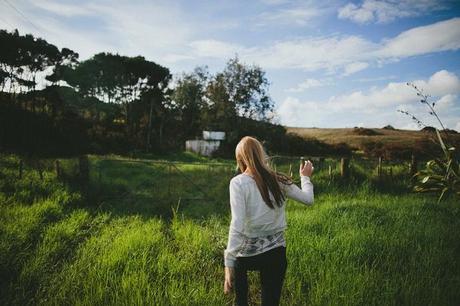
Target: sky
330,64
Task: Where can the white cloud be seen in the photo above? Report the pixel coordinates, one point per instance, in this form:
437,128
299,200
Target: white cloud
354,67
162,31
292,112
63,9
440,36
298,16
440,83
353,12
215,49
147,26
309,83
374,79
158,30
341,52
384,11
457,126
310,54
378,105
445,103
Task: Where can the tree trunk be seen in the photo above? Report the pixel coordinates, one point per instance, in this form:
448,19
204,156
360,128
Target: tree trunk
161,133
149,131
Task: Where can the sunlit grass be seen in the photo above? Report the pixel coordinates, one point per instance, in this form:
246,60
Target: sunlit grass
131,243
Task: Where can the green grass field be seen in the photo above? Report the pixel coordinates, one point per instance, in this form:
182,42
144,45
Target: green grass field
129,239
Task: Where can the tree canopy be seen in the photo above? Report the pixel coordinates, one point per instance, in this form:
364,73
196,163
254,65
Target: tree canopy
116,103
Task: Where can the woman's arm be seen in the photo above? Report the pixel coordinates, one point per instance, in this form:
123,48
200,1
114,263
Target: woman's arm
304,195
235,235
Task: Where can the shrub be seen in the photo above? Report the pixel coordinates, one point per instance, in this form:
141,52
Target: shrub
365,131
441,175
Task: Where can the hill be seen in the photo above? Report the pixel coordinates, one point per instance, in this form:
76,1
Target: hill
357,137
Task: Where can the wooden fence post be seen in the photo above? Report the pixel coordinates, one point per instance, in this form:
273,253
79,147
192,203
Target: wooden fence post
379,167
344,166
330,172
21,168
320,163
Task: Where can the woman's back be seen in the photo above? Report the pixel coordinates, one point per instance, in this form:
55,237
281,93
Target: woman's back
256,236
259,219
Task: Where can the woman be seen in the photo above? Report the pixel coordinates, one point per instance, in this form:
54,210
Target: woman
256,235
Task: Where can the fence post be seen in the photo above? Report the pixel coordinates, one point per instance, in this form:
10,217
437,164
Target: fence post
290,170
344,163
413,165
57,167
320,163
83,166
379,167
330,172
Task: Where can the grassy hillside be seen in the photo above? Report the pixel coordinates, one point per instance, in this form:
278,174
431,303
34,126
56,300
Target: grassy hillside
363,242
355,139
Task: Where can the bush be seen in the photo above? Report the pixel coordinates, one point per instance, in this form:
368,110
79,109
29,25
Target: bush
388,127
364,131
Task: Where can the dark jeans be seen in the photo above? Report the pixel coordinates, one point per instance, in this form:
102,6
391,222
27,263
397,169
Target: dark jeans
272,265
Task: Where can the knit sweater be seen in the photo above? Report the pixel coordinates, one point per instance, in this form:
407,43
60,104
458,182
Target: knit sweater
252,218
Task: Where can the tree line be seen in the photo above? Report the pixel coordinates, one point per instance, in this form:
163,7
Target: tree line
52,103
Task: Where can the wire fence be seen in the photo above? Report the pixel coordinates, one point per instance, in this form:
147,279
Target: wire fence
131,182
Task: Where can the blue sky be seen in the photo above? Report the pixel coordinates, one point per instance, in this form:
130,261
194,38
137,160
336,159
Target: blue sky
330,63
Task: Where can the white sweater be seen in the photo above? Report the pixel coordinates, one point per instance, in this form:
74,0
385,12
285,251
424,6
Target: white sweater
251,217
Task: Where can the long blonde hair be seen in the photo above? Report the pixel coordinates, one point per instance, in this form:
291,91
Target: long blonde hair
250,153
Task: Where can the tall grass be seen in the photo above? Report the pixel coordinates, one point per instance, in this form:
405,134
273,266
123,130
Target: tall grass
359,244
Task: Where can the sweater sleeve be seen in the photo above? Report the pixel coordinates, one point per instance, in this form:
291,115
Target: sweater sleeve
235,235
304,195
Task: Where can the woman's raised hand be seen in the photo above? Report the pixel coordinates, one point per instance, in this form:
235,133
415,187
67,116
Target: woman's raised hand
306,168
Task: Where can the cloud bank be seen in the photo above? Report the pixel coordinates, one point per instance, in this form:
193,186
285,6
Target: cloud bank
378,106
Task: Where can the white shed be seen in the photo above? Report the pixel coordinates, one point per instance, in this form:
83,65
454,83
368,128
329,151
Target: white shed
206,146
213,135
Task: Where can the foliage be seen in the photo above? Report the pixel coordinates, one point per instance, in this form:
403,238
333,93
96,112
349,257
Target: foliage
189,97
441,175
423,148
113,103
388,127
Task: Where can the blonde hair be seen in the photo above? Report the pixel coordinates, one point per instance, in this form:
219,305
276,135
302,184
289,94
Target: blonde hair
250,153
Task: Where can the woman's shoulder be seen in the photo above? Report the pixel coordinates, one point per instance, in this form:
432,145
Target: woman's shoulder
241,179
